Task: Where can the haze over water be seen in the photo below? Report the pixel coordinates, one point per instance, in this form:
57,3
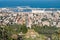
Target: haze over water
31,3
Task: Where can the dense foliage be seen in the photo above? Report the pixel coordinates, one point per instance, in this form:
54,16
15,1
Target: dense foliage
48,31
7,31
45,29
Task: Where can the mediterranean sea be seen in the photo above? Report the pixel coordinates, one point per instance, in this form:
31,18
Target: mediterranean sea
33,4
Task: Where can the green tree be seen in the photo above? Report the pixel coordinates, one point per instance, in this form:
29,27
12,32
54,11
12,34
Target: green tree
24,29
45,30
